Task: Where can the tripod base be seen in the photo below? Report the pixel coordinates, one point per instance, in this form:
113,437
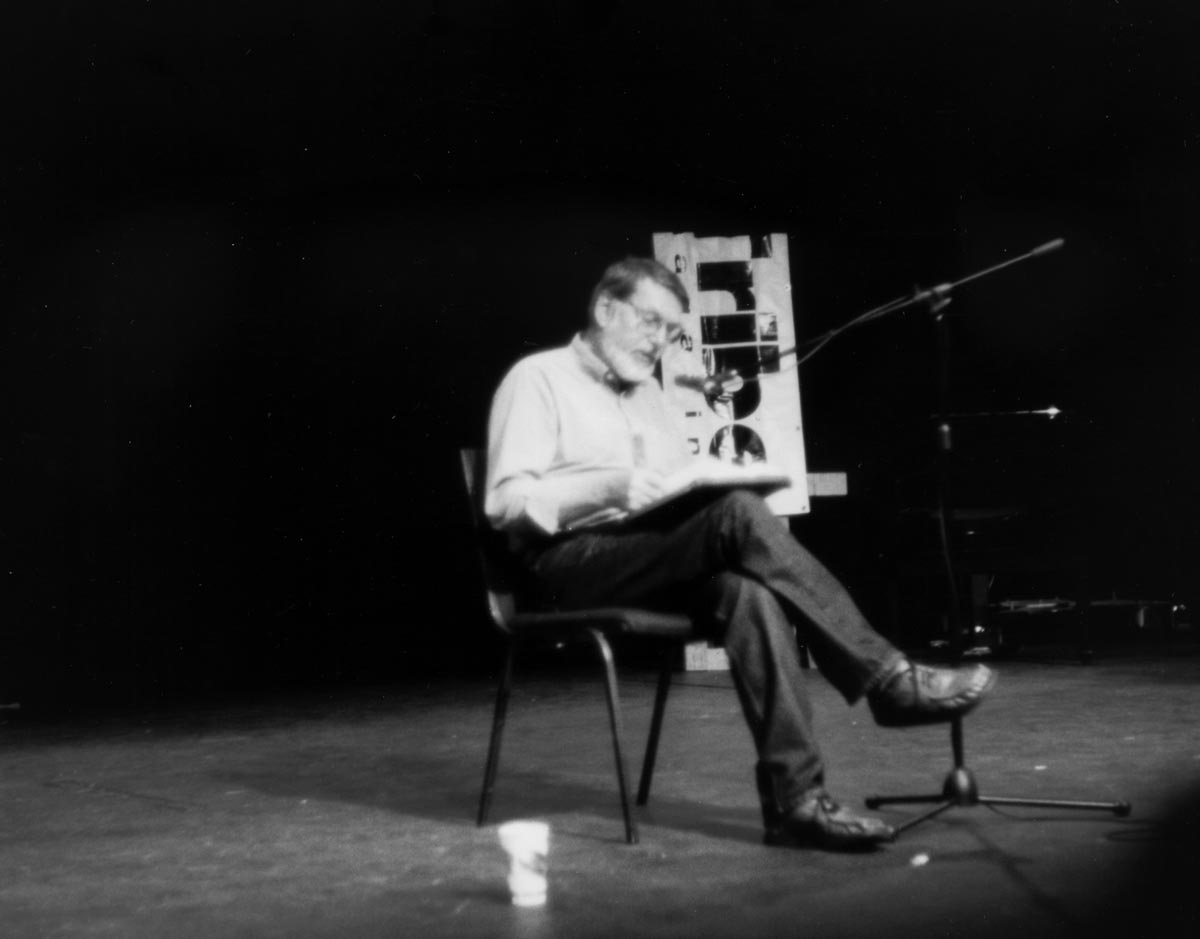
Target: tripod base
960,789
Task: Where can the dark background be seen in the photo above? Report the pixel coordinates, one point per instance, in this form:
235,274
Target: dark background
263,262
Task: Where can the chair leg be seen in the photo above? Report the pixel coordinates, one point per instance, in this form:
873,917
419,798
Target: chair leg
614,720
660,705
493,757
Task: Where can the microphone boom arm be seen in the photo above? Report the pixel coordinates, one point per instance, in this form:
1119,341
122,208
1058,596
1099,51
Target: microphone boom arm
937,298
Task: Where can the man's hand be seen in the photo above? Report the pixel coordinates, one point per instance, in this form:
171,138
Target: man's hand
635,489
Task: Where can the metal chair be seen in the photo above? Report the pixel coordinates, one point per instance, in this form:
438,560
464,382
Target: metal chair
591,625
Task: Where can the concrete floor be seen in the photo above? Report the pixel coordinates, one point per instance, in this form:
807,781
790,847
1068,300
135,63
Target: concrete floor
350,813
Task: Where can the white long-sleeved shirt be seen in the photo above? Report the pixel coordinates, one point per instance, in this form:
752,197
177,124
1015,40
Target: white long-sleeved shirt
561,424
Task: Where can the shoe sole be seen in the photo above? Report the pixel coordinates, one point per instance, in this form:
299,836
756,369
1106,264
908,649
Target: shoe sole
908,719
782,839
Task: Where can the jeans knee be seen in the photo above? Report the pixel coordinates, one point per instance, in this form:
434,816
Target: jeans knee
743,504
744,519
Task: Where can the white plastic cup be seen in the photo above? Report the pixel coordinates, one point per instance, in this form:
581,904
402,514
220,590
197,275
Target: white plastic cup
528,846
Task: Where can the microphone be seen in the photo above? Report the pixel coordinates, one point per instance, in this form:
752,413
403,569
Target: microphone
712,386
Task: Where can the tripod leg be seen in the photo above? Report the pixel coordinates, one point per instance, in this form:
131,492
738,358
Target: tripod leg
874,802
1120,809
923,817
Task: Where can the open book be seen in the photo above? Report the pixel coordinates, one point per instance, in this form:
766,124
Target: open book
708,474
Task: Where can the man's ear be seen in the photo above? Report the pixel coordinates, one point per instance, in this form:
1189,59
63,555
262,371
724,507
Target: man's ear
603,312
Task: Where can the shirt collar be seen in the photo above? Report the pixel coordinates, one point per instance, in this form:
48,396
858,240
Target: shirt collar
596,367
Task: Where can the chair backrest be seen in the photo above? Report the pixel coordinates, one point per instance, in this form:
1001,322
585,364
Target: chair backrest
491,546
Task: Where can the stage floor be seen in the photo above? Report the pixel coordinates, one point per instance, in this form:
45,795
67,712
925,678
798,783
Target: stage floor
351,813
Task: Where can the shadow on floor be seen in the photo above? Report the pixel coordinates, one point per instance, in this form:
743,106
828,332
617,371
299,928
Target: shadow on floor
446,789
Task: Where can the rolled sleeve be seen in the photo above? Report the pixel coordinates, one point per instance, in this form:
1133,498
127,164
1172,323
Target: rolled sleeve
532,486
563,441
522,432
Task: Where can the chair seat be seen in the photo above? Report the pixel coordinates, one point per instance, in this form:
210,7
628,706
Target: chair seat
624,621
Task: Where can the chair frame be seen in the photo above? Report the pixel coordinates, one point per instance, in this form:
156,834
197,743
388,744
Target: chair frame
595,625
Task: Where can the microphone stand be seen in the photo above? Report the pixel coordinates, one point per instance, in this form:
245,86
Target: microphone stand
959,788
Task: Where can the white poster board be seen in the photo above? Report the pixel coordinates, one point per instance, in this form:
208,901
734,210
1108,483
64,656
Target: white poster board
740,318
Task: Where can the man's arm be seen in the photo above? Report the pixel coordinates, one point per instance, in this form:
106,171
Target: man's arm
528,487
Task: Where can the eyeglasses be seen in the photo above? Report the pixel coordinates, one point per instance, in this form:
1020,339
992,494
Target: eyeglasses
651,322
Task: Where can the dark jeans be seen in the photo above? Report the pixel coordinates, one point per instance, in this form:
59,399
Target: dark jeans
746,579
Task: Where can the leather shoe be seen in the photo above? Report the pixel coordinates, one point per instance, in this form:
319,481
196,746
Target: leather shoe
919,694
816,821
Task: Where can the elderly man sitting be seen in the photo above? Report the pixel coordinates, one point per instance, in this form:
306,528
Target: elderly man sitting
580,437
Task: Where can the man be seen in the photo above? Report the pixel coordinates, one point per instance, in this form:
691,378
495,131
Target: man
581,436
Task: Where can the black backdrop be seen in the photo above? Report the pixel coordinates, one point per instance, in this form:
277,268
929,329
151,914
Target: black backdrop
263,263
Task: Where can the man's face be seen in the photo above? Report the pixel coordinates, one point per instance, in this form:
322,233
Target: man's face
633,334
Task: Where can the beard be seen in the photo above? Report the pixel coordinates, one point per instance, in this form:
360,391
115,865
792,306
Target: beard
632,365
